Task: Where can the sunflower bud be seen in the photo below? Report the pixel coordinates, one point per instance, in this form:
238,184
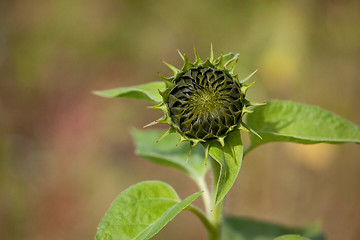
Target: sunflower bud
204,101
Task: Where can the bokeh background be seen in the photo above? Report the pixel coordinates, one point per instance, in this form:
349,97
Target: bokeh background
65,153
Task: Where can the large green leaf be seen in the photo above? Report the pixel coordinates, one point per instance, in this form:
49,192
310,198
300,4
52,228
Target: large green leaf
141,211
294,122
247,229
167,153
229,158
148,91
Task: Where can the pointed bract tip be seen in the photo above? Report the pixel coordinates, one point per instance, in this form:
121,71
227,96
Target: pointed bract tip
248,77
187,64
150,124
174,69
180,54
170,130
164,119
251,130
195,142
157,106
211,53
197,58
244,87
181,139
255,133
221,140
257,104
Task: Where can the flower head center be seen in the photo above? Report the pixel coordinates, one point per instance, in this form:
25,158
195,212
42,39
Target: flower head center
205,101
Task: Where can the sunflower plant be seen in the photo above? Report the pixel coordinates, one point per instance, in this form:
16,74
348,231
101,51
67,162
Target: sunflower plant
204,103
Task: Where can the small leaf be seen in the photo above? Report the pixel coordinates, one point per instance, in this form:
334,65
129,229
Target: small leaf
141,211
168,154
148,91
294,122
247,229
229,158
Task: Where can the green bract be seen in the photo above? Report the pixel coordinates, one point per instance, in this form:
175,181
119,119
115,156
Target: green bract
204,100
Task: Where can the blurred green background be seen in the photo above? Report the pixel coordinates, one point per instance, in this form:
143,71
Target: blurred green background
65,154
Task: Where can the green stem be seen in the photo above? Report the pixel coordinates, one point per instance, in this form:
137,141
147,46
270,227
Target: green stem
206,195
209,226
217,213
216,219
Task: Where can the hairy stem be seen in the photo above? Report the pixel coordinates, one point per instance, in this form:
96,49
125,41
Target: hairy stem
216,218
206,195
216,215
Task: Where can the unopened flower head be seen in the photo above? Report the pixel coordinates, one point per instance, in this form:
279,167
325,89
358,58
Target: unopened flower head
204,101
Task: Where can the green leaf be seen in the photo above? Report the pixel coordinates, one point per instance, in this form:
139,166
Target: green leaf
229,158
168,154
294,122
248,229
141,211
148,91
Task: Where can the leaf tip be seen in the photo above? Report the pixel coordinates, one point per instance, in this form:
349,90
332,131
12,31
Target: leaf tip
100,93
